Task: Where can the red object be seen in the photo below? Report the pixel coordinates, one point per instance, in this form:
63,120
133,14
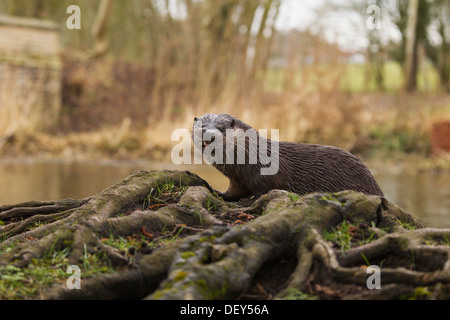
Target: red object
440,137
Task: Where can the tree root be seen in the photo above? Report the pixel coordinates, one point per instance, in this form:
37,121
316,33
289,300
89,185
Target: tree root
219,263
95,217
219,260
31,208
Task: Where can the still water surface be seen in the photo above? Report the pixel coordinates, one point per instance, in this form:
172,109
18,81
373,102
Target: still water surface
425,195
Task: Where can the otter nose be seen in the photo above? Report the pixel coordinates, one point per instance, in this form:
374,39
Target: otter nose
209,135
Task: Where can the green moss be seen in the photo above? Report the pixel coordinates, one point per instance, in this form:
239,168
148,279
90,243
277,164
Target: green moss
186,255
295,294
293,196
332,198
328,197
257,237
180,275
207,239
201,283
212,294
67,243
219,293
160,293
420,293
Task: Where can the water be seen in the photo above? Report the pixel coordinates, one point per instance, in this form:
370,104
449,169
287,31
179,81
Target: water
425,195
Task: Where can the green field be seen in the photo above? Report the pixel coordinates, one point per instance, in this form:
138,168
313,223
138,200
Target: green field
354,80
351,78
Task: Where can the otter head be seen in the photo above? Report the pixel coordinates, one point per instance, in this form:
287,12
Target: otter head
210,126
212,132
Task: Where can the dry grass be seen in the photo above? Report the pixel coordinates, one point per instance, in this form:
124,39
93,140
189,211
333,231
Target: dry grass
115,110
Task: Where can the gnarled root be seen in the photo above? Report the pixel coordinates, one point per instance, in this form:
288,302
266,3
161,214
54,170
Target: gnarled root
83,223
219,260
220,263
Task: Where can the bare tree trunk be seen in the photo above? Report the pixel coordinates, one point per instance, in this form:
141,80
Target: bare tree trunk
247,20
411,46
98,31
444,56
259,39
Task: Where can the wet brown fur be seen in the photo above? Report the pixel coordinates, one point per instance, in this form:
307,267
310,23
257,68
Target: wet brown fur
303,168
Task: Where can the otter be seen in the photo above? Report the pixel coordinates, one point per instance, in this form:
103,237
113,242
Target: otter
302,168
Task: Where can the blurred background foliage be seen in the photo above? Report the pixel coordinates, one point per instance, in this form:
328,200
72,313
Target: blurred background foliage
139,69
